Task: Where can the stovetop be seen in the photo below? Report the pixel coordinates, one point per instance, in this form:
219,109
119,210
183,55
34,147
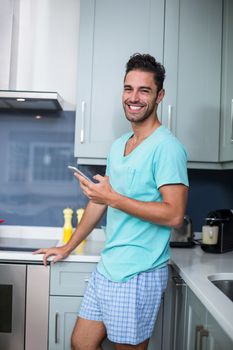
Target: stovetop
26,244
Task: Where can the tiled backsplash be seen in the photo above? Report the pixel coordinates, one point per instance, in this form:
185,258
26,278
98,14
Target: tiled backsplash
35,184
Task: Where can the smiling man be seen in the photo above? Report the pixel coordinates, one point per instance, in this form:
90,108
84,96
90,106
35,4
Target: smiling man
145,193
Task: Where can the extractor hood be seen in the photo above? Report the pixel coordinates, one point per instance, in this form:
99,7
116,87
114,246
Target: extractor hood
30,100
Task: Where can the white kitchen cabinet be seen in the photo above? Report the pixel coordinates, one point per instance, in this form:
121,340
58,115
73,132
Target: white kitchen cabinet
110,32
174,312
202,330
217,339
226,150
67,285
192,57
186,35
62,317
196,320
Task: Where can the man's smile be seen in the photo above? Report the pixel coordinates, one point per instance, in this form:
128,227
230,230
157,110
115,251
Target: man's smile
134,108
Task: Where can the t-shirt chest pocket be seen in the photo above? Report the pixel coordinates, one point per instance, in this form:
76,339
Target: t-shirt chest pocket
124,180
133,181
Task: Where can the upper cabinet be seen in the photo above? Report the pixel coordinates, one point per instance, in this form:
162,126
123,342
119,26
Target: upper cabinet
186,35
226,150
110,32
192,57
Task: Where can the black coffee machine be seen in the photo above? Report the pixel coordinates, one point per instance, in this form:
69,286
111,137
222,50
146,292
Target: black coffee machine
223,218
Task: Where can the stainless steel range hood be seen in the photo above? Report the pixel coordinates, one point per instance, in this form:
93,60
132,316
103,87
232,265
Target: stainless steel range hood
30,100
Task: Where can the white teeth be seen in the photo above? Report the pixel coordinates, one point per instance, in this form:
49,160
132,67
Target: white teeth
135,108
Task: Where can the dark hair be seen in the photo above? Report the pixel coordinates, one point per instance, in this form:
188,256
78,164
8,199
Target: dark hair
147,63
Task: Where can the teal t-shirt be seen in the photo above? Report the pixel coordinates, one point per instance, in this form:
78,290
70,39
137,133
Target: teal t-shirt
134,245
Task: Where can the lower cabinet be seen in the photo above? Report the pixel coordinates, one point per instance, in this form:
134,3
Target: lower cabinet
174,312
187,324
195,333
203,332
62,318
67,286
217,339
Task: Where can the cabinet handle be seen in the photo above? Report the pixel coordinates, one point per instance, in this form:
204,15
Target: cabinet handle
169,118
203,333
179,282
56,328
232,121
83,105
199,328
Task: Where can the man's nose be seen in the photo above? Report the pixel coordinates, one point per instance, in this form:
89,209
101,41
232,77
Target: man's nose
134,96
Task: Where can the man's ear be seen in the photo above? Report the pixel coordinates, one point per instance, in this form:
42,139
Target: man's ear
160,96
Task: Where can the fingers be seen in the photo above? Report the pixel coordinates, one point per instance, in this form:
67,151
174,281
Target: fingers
82,179
49,252
46,255
57,258
98,177
39,251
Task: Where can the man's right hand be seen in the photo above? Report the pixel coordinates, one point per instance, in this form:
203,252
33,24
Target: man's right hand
59,253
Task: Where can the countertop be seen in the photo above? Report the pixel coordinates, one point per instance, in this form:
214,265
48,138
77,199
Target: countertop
193,265
90,252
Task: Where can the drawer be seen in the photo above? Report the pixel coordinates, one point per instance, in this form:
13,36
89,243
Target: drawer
68,278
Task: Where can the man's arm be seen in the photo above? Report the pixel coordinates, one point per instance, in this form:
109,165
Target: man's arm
91,216
169,212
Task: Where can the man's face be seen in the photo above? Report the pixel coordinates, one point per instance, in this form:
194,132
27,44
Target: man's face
140,97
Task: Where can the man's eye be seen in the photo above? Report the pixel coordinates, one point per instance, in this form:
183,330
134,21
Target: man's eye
145,91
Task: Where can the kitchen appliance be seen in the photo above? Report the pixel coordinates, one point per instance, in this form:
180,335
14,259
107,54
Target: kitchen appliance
223,220
183,237
24,300
25,244
30,100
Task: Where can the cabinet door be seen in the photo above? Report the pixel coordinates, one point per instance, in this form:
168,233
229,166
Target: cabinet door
217,339
192,58
70,278
110,32
226,151
195,321
62,318
156,338
174,312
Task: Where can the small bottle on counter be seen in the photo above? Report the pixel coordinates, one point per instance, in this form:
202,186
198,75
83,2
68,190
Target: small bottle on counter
67,228
79,213
80,247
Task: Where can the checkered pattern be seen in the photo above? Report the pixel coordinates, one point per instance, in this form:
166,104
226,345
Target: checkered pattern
128,309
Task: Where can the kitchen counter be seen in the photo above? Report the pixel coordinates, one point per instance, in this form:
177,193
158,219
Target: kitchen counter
90,252
193,265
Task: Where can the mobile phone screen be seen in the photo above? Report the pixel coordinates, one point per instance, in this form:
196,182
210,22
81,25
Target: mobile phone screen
76,170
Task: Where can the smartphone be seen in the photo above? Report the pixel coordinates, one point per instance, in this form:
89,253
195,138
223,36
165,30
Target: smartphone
76,170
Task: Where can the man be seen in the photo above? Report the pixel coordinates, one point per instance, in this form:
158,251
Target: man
144,192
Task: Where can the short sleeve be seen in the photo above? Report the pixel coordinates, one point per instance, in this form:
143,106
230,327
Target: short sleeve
171,163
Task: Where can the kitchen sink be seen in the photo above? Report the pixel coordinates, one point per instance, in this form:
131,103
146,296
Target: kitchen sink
224,282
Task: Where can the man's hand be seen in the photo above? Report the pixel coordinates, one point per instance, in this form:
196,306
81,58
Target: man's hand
59,253
100,193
